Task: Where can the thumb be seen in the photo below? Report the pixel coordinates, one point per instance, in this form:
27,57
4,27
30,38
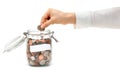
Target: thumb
47,23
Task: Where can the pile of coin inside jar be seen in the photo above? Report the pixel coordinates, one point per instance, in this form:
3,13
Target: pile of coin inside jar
39,50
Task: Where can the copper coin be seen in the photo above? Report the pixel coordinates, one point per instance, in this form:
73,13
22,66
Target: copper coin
39,28
41,57
30,42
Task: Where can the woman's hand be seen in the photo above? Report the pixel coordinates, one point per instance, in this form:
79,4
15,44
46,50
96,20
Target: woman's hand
53,16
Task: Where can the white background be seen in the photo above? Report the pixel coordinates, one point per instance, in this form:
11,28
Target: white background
86,49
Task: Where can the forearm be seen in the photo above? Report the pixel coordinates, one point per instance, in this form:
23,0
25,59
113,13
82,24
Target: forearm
103,18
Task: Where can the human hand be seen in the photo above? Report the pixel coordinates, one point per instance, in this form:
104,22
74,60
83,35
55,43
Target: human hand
53,16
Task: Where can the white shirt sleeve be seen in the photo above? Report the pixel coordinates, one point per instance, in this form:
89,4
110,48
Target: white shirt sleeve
109,18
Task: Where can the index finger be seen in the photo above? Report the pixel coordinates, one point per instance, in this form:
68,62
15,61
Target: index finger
45,17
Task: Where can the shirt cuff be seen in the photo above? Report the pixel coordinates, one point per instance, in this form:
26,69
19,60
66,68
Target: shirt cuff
83,19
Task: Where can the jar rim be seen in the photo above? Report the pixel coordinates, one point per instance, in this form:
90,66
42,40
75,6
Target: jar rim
32,32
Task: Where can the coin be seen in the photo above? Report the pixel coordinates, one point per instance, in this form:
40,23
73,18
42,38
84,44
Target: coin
30,42
32,58
46,53
43,62
33,63
47,62
48,58
41,57
39,28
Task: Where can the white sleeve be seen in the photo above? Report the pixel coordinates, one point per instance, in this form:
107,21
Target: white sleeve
109,18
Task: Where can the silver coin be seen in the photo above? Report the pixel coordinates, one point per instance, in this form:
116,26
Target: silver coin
48,58
47,62
46,53
42,62
31,62
42,52
45,58
32,58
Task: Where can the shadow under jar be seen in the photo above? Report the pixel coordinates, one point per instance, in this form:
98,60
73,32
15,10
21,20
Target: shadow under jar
39,48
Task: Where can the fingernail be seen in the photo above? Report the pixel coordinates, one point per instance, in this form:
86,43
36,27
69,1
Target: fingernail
41,26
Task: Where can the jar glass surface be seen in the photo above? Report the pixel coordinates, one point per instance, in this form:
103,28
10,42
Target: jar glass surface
38,48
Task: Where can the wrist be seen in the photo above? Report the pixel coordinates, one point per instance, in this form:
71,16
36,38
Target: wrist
71,18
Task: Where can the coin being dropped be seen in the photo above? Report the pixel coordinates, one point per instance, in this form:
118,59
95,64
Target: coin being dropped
39,28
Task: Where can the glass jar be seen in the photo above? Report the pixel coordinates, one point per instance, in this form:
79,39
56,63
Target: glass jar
39,48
